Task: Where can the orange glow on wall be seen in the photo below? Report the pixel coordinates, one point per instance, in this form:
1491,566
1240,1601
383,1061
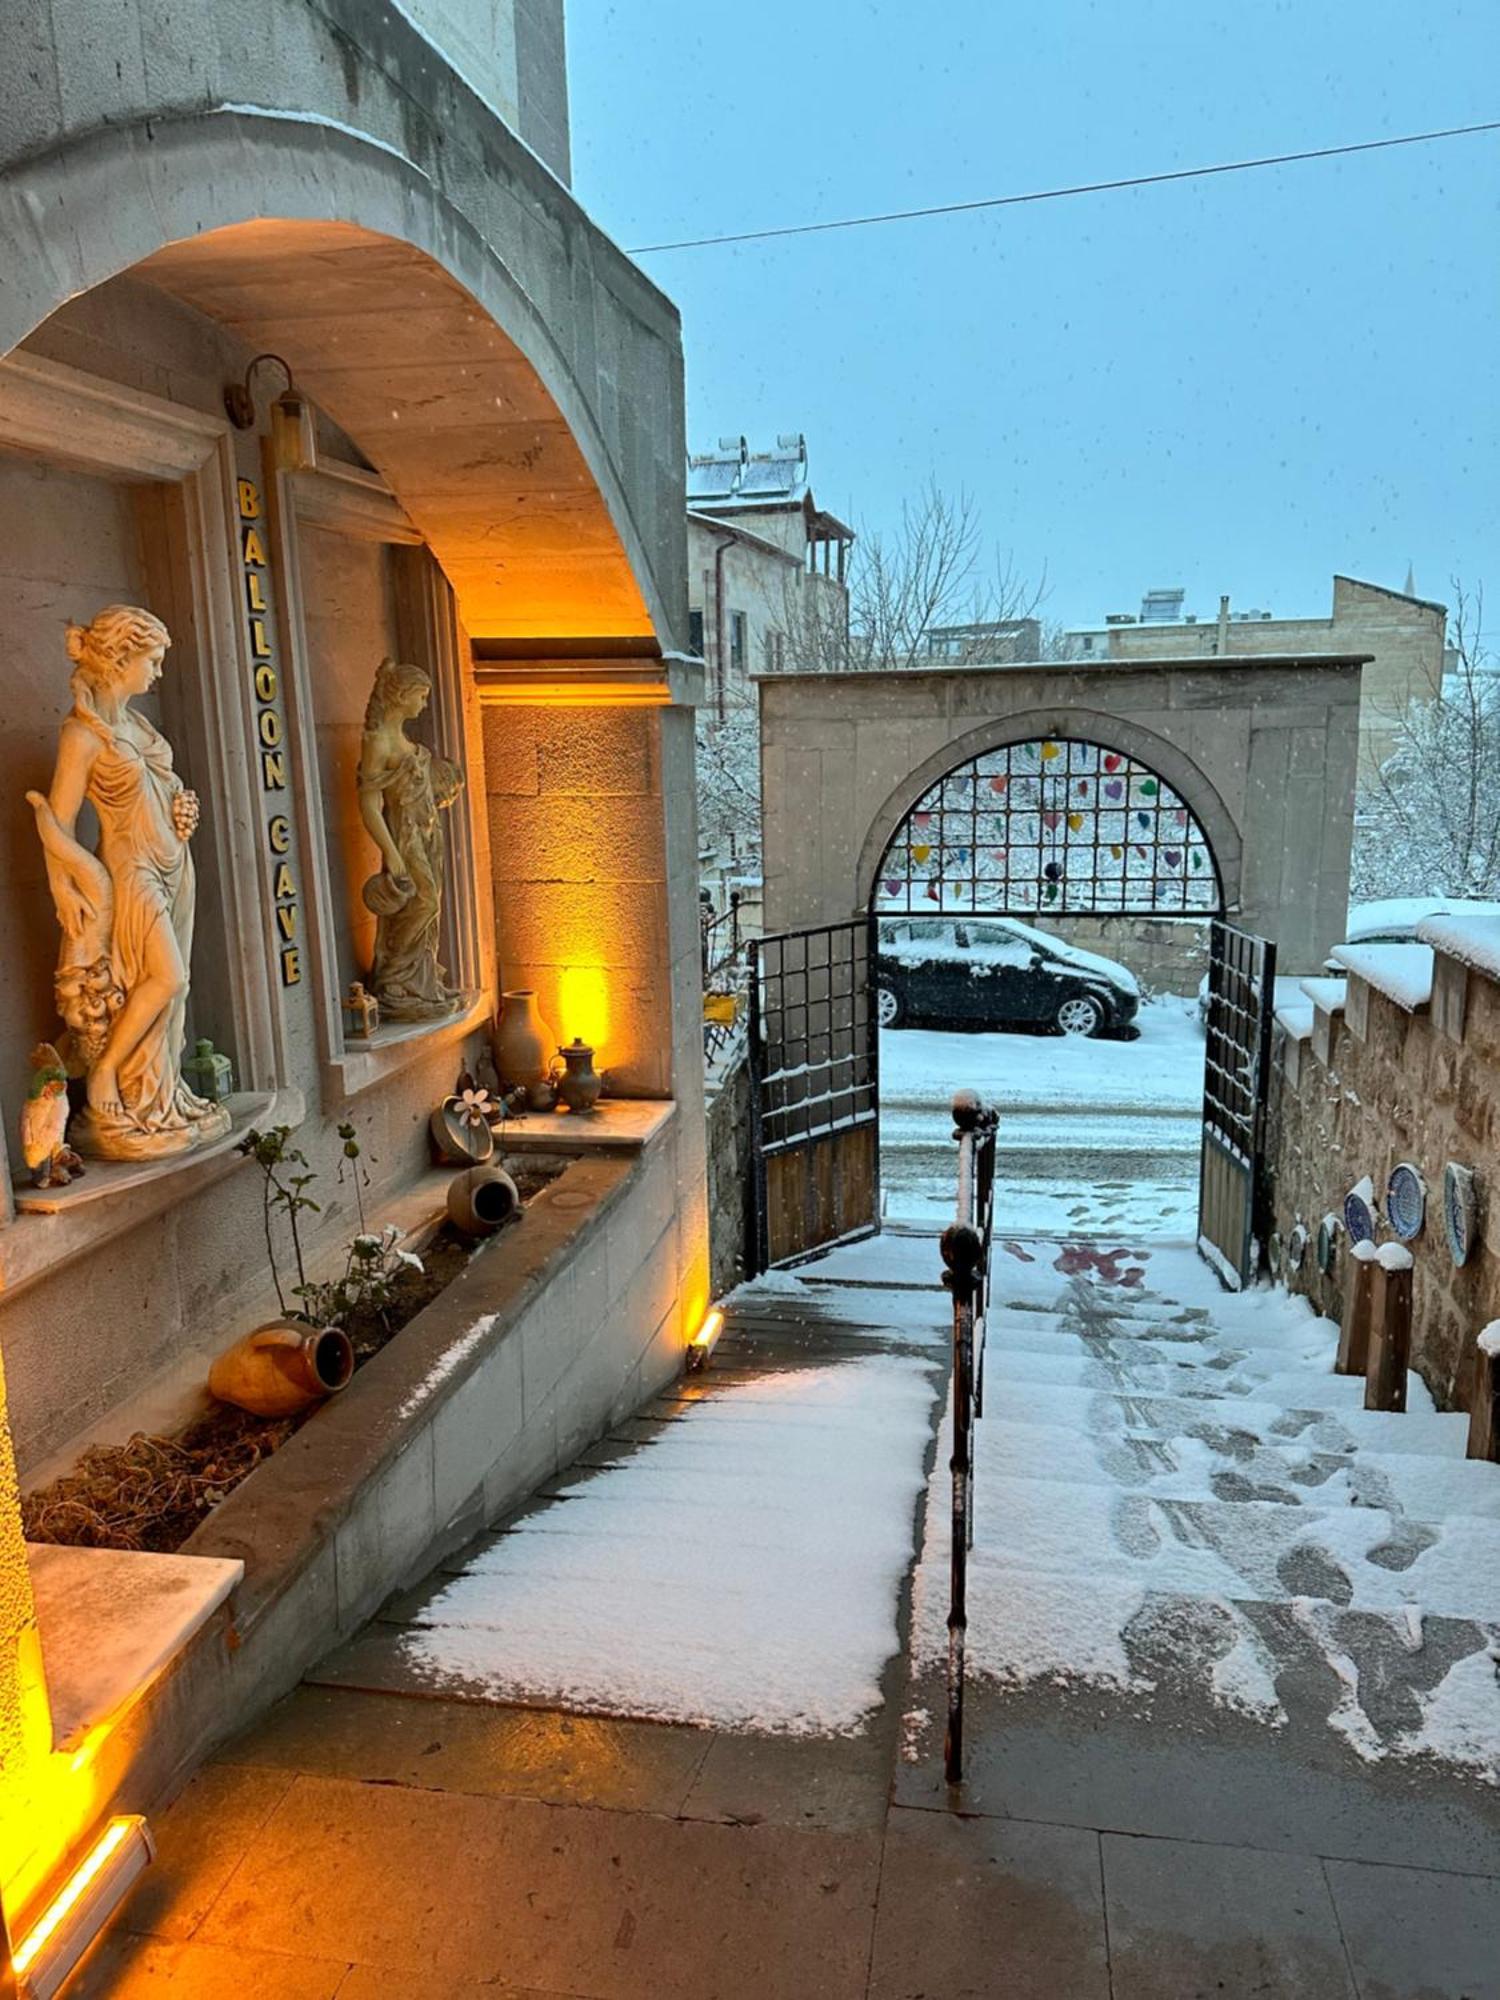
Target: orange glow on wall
583,1005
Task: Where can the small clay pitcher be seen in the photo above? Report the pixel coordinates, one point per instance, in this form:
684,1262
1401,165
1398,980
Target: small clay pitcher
481,1200
283,1368
580,1083
523,1046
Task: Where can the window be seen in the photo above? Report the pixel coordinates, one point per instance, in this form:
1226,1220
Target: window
739,640
773,645
695,633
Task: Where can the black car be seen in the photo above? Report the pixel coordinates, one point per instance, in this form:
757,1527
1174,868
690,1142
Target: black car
993,972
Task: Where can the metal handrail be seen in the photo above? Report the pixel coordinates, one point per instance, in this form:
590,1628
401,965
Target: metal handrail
966,1258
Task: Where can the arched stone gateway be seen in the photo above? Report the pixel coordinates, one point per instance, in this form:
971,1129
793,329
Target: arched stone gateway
1258,754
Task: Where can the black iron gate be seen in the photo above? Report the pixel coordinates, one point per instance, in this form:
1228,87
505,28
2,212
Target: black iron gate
1233,1202
814,1089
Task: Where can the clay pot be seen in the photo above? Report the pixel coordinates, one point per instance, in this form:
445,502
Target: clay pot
282,1368
580,1083
459,1141
481,1199
523,1046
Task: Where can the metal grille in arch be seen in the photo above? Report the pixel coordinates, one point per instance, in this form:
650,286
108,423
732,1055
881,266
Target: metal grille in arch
1055,825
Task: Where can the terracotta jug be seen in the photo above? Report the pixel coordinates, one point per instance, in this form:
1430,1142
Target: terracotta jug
282,1368
481,1199
523,1048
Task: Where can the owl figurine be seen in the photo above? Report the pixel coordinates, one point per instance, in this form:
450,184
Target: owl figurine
44,1122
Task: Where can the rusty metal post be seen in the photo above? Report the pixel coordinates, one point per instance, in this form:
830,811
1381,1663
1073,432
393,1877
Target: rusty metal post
1390,1331
1359,1294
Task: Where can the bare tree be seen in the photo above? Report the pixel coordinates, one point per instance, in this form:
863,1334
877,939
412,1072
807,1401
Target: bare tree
729,785
929,574
1428,821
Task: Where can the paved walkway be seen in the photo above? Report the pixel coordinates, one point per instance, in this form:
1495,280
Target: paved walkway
1126,1832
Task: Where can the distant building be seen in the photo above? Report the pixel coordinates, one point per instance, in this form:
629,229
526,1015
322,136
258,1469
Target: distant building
997,642
1405,635
767,566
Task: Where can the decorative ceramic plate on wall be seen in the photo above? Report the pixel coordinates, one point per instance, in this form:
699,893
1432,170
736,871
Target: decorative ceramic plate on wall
1296,1248
1458,1210
1330,1229
1406,1201
1359,1212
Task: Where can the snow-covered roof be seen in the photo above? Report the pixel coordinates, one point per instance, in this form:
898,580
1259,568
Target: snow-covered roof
1472,940
1329,994
1056,947
1402,972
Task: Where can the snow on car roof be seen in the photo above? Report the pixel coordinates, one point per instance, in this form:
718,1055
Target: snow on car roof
1072,954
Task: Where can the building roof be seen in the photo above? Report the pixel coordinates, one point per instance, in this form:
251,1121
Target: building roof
736,480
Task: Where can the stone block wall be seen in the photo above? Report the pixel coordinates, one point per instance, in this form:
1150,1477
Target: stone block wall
729,1161
1408,1088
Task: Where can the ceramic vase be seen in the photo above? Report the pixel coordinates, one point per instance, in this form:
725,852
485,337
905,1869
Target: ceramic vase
523,1045
282,1368
580,1083
481,1200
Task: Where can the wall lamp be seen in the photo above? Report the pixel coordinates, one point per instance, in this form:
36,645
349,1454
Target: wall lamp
294,443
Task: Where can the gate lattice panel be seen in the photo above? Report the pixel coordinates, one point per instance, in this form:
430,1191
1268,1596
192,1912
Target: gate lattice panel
814,1088
1233,1203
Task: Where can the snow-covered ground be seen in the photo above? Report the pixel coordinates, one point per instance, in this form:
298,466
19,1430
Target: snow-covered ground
1095,1136
1176,1496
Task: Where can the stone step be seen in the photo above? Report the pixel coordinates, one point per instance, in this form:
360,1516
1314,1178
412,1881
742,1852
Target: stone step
1362,1557
1289,1387
1413,1484
1028,1332
1152,1413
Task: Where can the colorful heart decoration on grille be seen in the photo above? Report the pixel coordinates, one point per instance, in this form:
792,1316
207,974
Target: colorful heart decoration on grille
1172,856
1196,857
1141,852
1113,761
921,852
892,886
998,785
934,893
1143,821
1149,788
1083,788
1180,818
1075,822
1115,789
1117,853
1052,821
997,855
1049,751
923,820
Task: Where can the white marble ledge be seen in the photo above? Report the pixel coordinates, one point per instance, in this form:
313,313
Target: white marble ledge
111,1621
111,1177
617,1124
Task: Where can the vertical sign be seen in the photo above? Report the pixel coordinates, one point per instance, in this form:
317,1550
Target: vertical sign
270,735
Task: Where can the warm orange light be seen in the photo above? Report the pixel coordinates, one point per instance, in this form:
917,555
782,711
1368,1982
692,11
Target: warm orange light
583,1003
78,1885
701,1346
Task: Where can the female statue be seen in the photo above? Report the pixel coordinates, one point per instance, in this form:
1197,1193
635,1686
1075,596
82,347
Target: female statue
402,789
127,912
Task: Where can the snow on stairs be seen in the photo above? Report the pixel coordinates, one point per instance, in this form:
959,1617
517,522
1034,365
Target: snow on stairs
1174,1490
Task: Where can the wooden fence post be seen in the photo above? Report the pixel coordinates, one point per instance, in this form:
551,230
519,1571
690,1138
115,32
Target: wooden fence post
1354,1332
1390,1332
1484,1399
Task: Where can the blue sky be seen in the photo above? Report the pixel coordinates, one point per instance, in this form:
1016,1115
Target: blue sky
1243,384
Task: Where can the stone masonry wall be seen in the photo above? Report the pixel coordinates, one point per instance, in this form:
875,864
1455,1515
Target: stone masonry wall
729,1202
1407,1090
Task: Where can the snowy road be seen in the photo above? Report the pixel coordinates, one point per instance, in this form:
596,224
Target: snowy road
1095,1136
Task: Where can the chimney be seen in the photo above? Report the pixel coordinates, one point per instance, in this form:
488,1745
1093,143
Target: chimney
1223,645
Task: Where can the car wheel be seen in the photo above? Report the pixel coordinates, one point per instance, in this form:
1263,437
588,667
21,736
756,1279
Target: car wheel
889,1009
1079,1015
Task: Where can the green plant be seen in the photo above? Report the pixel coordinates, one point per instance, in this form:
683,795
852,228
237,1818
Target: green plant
282,1190
372,1266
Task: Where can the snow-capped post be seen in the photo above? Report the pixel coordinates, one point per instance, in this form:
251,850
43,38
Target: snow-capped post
1390,1329
966,1248
1484,1399
1359,1295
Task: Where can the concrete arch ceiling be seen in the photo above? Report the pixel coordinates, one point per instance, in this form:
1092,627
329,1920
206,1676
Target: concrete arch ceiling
1130,739
444,404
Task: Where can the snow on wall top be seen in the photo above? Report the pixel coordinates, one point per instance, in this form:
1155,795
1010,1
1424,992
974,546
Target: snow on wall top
1402,972
1295,1019
1472,941
1399,916
1329,994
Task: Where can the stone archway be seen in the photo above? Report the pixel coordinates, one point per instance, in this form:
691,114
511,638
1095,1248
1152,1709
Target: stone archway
1261,752
1072,814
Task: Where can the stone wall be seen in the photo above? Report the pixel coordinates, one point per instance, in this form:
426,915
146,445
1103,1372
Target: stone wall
730,1210
1407,1088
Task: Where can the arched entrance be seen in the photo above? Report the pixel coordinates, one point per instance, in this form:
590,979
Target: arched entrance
1050,826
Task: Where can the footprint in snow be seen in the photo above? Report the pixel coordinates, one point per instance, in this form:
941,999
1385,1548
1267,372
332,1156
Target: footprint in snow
1310,1571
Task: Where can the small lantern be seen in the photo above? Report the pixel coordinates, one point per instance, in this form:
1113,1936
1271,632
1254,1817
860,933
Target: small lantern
362,1011
294,439
580,1083
207,1073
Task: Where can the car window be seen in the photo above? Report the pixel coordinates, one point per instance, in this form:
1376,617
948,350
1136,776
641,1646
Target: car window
930,930
1000,946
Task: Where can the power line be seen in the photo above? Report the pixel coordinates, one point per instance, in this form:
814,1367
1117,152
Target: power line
1063,193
